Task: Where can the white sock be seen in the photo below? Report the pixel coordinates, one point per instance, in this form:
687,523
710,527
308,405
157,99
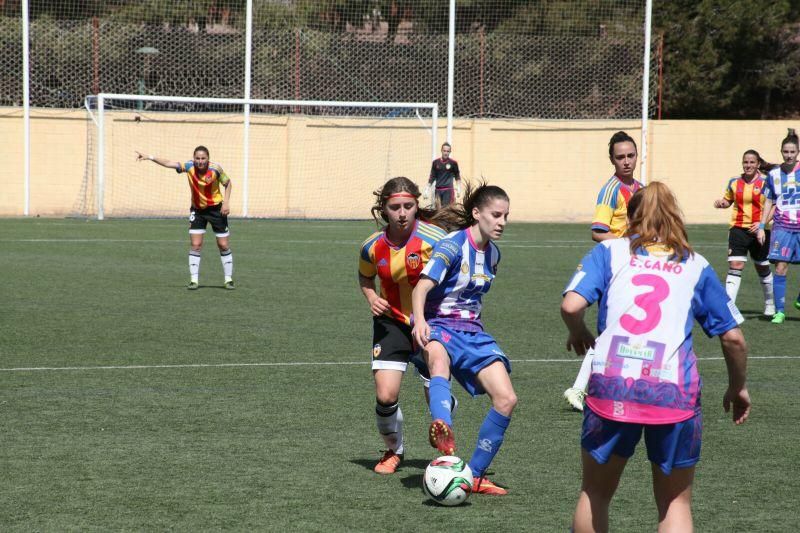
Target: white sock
582,380
390,426
769,292
227,264
194,265
732,282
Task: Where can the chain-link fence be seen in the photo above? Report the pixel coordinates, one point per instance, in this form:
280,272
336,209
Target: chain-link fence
514,58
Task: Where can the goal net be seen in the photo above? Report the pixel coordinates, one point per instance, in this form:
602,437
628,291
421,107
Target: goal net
286,158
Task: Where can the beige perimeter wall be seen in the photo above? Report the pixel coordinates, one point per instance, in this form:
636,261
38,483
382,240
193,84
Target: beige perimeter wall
303,167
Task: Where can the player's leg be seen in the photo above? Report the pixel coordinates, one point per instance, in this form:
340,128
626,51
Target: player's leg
759,253
219,223
738,243
494,379
391,349
424,375
440,432
673,495
197,229
576,394
600,482
779,244
606,446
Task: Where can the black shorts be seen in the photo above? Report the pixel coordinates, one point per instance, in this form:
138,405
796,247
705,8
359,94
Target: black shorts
446,195
199,218
392,344
741,242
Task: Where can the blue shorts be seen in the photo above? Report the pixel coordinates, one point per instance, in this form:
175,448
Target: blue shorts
469,352
784,245
668,445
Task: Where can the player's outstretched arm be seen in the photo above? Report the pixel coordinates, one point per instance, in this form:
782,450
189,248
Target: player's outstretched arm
421,331
734,348
159,160
573,307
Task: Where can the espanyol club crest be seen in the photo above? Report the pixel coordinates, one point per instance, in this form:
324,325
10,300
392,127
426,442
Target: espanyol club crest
414,260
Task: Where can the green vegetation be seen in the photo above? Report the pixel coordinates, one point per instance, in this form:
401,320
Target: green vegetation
253,409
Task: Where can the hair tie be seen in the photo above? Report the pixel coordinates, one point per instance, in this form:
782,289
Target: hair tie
401,195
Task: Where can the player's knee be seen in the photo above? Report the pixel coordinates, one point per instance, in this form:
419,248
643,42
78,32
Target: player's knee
196,247
736,265
505,403
387,396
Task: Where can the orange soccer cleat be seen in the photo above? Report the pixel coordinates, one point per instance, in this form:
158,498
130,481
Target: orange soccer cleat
481,485
441,437
388,463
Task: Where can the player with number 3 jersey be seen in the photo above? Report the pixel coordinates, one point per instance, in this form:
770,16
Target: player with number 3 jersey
650,287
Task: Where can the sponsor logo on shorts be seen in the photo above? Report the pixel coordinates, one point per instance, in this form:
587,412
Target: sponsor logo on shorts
580,267
446,336
376,350
619,408
414,260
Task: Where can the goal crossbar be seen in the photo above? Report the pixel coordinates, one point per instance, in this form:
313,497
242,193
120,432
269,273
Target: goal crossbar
103,98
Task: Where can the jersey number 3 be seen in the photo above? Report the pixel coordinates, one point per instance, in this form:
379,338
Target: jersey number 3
650,302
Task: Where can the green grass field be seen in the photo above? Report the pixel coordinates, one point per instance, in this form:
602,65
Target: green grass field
130,403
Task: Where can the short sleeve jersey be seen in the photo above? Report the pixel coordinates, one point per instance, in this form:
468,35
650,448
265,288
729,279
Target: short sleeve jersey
644,369
463,274
205,187
784,190
398,267
443,172
747,199
611,211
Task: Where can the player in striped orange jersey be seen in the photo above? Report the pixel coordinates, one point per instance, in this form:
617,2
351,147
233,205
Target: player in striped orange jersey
209,205
395,255
746,194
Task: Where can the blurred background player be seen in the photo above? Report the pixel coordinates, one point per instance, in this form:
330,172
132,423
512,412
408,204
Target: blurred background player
396,255
447,323
782,191
209,206
610,222
746,194
651,287
445,178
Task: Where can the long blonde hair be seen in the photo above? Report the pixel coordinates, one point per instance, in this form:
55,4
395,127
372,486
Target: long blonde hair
657,220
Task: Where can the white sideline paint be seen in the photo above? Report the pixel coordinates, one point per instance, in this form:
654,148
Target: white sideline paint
311,363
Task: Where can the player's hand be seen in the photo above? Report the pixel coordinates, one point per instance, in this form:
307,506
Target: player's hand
754,228
720,204
740,400
426,192
140,156
225,210
580,341
761,236
421,332
378,306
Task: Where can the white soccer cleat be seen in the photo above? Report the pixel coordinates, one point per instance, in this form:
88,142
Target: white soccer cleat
769,309
575,398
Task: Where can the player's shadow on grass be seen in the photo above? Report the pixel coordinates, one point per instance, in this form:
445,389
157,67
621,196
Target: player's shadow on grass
420,464
752,314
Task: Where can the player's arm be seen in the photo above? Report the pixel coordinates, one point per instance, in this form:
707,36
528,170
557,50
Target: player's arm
734,348
457,177
599,236
164,162
573,308
377,305
766,215
226,196
603,215
421,331
722,203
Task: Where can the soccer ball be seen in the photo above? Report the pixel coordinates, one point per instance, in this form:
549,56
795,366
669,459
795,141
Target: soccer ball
447,480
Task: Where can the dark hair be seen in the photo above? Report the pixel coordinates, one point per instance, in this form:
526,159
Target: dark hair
448,145
763,166
202,148
633,204
791,137
397,185
620,137
459,216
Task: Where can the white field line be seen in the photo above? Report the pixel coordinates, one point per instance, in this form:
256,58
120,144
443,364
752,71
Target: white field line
312,363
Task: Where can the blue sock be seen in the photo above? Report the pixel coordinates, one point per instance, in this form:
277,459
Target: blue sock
779,286
440,399
490,437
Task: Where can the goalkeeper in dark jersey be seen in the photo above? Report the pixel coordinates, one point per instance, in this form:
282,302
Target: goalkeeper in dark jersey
445,178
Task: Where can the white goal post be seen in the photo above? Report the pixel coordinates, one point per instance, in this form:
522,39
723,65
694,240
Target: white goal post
308,151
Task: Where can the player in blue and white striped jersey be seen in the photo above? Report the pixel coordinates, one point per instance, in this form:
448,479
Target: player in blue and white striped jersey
446,306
